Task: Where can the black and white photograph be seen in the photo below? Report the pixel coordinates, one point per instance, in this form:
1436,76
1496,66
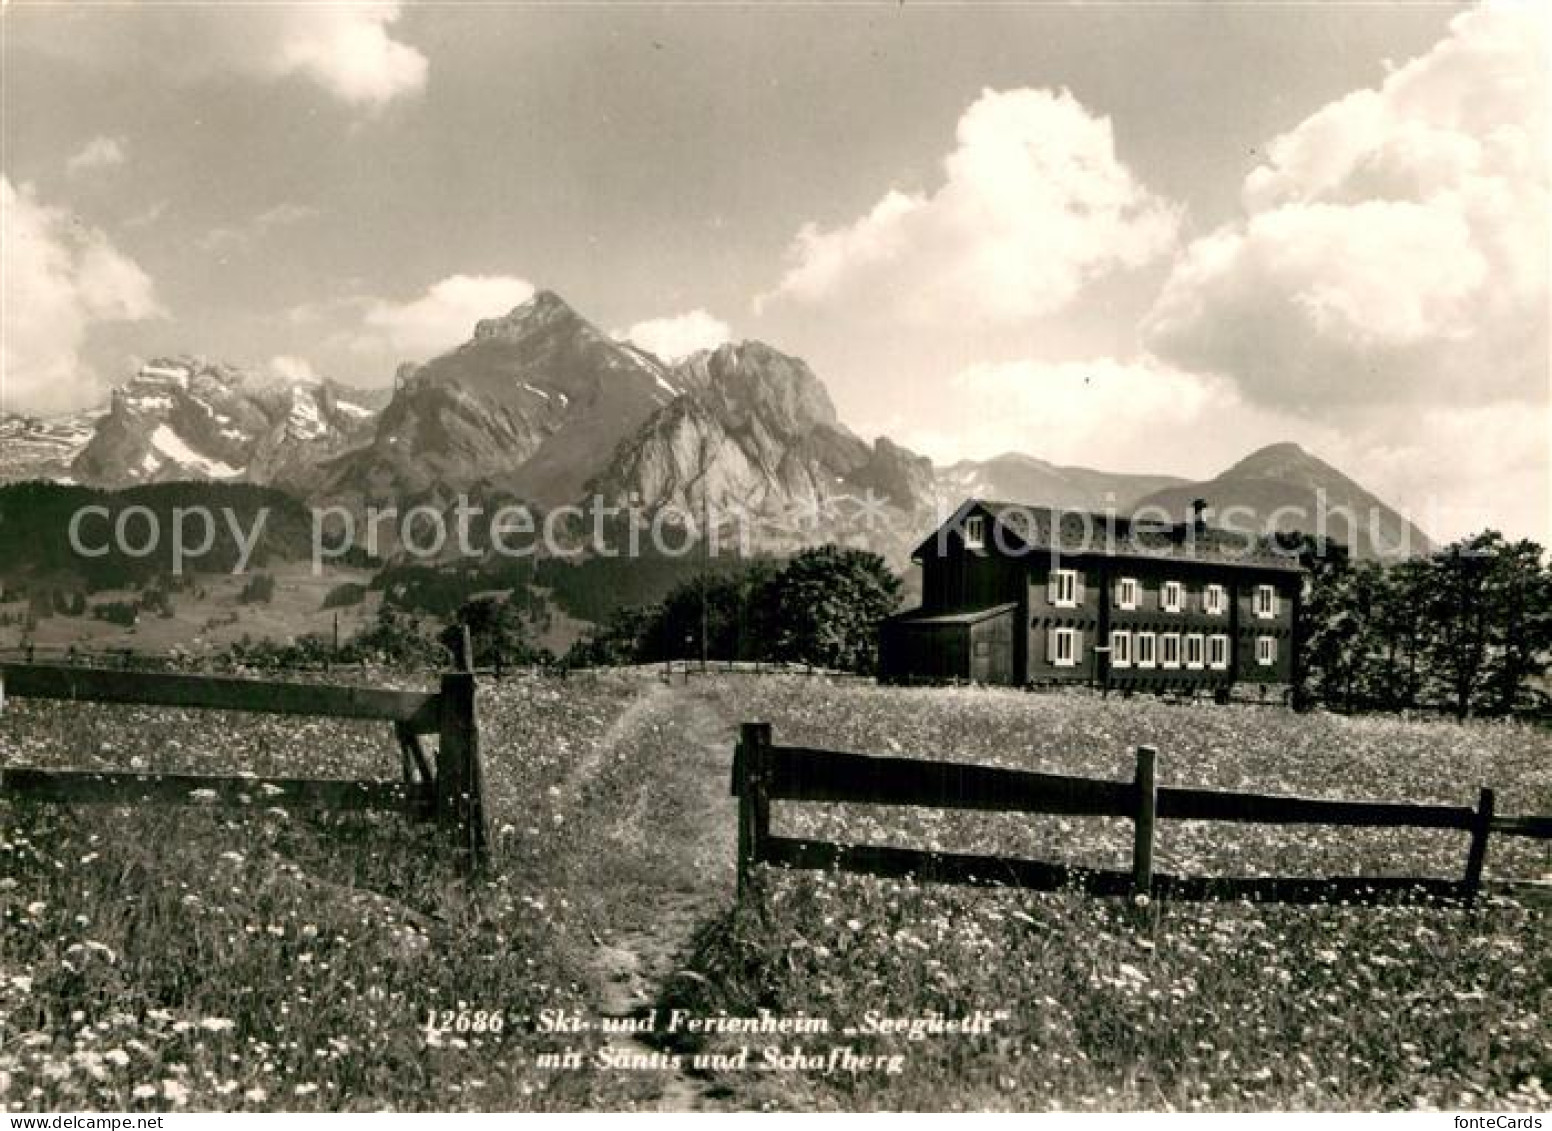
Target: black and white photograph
785,557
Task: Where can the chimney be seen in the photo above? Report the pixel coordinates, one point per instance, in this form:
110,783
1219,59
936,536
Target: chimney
1198,509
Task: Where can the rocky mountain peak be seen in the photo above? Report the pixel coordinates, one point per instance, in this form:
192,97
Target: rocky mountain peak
747,381
187,417
546,311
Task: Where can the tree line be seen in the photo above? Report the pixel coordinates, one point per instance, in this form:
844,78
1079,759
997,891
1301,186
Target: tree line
822,606
1467,629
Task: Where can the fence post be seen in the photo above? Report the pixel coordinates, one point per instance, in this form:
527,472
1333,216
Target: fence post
754,803
460,801
1147,812
1477,857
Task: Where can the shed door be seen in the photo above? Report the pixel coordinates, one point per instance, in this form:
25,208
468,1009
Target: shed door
991,659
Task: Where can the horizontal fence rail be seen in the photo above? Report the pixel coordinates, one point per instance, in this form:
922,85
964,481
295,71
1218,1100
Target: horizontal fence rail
218,693
1277,809
764,773
799,774
447,789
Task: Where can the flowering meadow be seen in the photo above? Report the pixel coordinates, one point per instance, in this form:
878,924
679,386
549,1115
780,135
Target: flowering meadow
188,958
1182,1006
264,958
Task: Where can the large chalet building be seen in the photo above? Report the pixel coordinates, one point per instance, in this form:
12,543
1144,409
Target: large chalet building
1021,595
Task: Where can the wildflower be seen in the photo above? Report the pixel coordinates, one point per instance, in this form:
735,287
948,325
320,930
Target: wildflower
144,1091
176,1092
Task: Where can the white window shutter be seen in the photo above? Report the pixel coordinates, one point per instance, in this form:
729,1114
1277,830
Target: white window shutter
1077,646
1077,587
1050,645
1050,587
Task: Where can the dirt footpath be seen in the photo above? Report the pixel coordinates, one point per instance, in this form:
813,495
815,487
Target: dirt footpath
665,861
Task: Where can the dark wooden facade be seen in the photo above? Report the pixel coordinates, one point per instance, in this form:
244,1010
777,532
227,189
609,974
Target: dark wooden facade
976,647
1097,601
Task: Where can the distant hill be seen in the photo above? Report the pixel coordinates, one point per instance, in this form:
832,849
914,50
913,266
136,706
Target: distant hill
35,523
1016,477
1285,484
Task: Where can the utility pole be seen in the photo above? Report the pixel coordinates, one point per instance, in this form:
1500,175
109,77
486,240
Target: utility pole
705,566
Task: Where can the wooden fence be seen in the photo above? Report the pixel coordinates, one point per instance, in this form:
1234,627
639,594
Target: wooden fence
668,669
450,793
764,773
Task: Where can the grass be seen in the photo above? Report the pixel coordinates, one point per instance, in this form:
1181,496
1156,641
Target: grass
210,622
265,959
1211,1007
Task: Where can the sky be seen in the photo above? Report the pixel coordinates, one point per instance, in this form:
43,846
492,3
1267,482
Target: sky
1134,237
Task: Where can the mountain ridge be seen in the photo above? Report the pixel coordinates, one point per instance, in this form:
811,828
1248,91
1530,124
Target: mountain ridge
539,405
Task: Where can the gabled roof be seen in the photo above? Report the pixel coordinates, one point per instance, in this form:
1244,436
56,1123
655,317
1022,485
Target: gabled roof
1019,529
966,616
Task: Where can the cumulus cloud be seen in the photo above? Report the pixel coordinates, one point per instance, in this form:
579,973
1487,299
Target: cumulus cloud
1144,415
229,238
1103,412
1393,245
1034,204
345,48
1457,468
678,336
60,278
441,318
98,153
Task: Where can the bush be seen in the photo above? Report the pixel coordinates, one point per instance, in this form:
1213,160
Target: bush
345,595
822,607
125,613
259,590
496,632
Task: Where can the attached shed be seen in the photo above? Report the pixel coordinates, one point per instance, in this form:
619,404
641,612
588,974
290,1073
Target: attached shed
975,646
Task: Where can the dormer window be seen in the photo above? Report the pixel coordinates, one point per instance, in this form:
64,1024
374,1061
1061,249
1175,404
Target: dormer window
975,532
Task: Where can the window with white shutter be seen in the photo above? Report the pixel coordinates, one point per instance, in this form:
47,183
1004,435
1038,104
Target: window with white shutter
1218,652
1126,593
1064,647
1174,596
1266,601
1169,650
1266,651
1065,588
1120,649
1143,649
1215,600
1194,651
